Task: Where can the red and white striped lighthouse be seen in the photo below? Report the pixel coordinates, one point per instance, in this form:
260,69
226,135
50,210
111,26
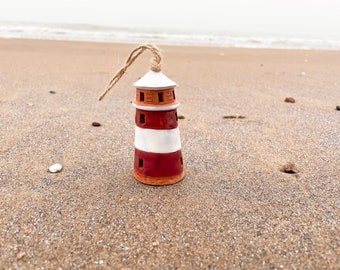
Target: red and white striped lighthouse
158,156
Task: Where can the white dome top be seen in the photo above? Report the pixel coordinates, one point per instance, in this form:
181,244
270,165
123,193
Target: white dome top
154,81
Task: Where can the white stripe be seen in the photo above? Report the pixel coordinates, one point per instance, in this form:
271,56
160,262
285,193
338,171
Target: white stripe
157,141
156,108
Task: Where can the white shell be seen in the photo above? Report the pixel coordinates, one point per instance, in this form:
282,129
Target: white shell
55,168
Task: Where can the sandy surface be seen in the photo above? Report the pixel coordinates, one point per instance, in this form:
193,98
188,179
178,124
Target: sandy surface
235,209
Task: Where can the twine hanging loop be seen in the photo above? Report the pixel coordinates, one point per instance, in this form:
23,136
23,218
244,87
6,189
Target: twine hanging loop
155,64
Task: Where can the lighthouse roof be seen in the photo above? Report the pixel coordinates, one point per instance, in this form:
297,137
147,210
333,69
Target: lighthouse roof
154,80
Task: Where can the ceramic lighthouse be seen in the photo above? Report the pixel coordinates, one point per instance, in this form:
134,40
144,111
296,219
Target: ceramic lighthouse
158,157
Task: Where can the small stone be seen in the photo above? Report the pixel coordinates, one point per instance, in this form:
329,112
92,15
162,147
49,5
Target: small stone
55,168
181,117
303,73
289,100
338,108
234,117
289,168
53,92
96,124
21,255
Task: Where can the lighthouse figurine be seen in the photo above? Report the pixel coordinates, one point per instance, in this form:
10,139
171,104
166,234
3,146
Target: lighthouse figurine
158,157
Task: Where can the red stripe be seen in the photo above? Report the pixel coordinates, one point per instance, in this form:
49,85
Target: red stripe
156,119
152,168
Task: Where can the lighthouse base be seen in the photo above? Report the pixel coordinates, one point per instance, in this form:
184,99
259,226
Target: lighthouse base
158,181
158,169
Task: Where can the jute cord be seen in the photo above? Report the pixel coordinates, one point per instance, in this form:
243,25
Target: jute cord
155,64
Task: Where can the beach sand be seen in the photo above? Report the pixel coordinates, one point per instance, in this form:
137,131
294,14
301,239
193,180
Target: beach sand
235,209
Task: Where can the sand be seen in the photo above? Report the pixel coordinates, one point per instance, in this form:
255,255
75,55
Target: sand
235,209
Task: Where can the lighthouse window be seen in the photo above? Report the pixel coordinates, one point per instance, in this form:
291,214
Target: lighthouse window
160,97
140,163
142,118
141,96
173,94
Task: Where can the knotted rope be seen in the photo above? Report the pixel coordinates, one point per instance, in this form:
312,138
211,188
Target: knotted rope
155,64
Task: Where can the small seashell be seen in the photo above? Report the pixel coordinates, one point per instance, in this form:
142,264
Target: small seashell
55,168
